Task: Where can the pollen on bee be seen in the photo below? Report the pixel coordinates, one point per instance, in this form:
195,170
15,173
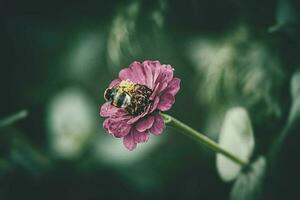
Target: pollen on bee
127,86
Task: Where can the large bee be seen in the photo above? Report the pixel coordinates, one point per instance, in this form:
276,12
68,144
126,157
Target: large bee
128,95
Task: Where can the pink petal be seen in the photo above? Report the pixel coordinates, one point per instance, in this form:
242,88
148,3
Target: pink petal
135,119
135,73
156,68
173,86
107,110
162,81
166,74
158,125
149,78
158,88
122,114
152,70
106,124
145,123
166,102
119,128
154,104
140,137
129,142
154,93
125,74
114,82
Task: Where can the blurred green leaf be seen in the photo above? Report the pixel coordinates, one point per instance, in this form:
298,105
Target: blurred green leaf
13,118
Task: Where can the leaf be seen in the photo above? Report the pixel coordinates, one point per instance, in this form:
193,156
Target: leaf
237,137
13,118
287,16
294,114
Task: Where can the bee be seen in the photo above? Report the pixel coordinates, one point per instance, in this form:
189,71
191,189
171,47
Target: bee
133,97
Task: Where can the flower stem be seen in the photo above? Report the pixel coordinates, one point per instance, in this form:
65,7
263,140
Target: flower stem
200,138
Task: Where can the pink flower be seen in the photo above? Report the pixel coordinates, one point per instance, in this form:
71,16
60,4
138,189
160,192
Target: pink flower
135,99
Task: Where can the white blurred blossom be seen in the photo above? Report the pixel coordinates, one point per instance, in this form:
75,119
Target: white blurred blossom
71,120
248,185
237,137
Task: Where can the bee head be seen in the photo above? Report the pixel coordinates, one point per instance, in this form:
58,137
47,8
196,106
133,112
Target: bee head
109,94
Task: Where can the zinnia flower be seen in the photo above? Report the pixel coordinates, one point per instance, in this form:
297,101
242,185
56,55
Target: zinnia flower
135,99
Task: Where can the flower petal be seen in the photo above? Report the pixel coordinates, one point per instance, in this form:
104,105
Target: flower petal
114,82
129,142
135,73
158,125
162,81
156,68
107,110
166,74
173,86
166,102
158,88
106,124
154,104
152,71
140,137
145,123
135,119
119,128
138,72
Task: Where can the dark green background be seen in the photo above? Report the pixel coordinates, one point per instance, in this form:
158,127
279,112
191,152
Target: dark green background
39,41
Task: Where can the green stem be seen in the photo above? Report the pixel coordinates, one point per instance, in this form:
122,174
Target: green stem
200,138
